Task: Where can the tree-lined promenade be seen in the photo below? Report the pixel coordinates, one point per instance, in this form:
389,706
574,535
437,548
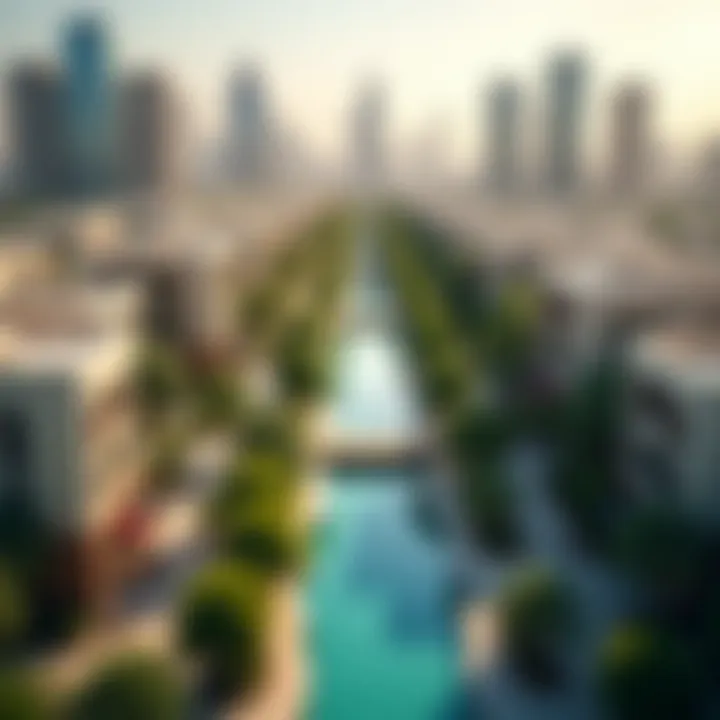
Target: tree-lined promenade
224,619
477,345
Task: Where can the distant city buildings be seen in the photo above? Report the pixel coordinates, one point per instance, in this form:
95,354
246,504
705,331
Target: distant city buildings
79,129
564,123
504,140
249,127
90,104
368,151
149,134
37,129
630,138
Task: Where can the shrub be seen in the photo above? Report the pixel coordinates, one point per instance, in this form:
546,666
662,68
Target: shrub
490,502
480,435
160,380
267,545
662,550
13,611
647,674
166,463
140,687
537,617
216,399
448,379
22,698
270,432
223,625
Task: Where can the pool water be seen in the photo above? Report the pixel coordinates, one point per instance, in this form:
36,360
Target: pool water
381,626
380,622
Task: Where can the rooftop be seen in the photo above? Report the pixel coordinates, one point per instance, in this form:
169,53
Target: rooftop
83,332
688,354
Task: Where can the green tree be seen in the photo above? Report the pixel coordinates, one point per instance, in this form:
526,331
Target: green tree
23,698
537,612
661,549
167,460
13,610
160,380
223,622
217,398
135,686
647,674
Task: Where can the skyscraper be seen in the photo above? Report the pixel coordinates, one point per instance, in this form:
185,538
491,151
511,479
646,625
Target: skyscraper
149,133
565,120
36,130
368,135
249,126
89,104
630,138
504,144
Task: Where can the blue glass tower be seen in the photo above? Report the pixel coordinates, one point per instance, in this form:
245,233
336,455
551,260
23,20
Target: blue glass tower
89,105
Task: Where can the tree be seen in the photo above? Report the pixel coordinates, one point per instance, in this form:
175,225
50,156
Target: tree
135,686
270,432
490,504
223,621
662,550
449,382
302,362
166,462
216,398
537,618
22,698
480,435
13,611
159,380
512,328
648,674
267,545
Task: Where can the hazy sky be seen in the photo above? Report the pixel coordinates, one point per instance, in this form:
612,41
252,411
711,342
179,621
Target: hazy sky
435,55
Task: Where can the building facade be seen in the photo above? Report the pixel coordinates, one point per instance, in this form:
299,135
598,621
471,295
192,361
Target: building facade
37,130
249,127
71,452
149,142
90,105
368,136
564,124
504,145
672,420
630,139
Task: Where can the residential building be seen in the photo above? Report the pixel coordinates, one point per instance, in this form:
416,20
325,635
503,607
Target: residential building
672,419
190,287
70,442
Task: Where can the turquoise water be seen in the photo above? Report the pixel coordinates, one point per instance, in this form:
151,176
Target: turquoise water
380,618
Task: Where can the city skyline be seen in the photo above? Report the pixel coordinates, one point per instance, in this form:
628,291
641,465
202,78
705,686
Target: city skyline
432,58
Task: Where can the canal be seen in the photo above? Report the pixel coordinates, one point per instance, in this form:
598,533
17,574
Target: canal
382,639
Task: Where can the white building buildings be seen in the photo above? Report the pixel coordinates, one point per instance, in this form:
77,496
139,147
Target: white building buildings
672,419
70,442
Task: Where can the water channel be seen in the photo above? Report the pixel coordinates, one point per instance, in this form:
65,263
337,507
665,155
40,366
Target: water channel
382,639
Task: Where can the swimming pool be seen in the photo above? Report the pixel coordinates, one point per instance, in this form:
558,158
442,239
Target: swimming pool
381,627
